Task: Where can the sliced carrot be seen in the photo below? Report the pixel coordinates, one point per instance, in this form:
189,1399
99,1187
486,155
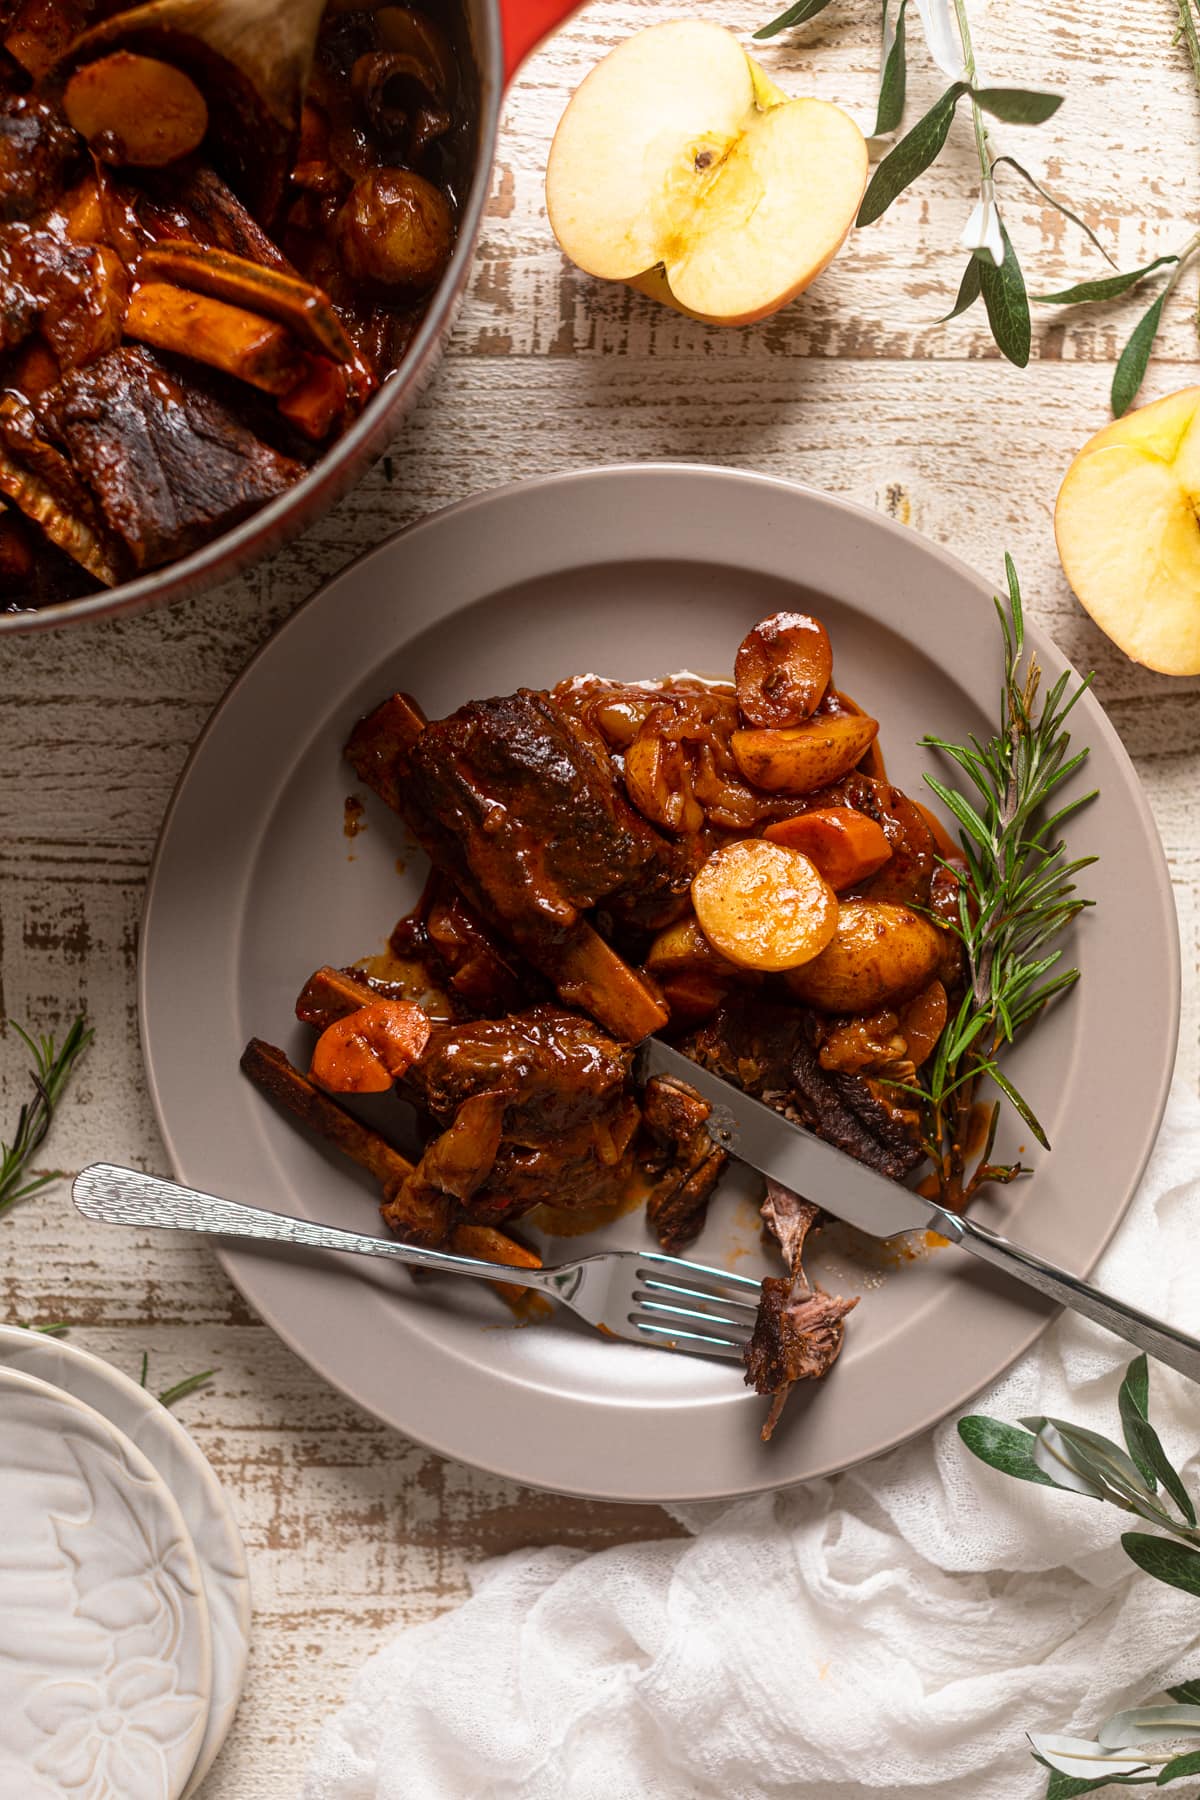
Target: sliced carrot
256,350
845,845
782,669
764,906
136,109
365,1052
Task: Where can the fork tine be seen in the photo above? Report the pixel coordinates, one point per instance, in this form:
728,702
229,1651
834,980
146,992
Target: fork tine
736,1329
674,1267
694,1343
693,1293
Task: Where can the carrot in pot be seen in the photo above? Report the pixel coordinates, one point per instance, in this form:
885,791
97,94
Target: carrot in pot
845,845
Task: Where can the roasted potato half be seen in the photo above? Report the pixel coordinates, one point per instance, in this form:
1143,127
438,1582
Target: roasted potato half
782,669
879,952
805,757
764,906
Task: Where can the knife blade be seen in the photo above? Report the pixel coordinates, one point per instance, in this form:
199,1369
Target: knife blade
758,1135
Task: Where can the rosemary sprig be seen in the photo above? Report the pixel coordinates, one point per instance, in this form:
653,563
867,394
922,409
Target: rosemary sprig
1015,895
181,1389
52,1069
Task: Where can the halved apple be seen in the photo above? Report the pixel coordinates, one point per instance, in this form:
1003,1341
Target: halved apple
680,168
1129,533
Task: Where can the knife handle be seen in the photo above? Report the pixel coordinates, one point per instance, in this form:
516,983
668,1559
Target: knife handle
1154,1336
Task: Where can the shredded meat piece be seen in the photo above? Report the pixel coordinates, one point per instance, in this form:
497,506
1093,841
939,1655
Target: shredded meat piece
171,467
798,1332
681,1159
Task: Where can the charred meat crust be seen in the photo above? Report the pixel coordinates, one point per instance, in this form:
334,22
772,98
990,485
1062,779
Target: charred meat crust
170,466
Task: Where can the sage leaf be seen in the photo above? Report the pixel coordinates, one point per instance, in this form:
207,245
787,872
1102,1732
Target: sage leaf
911,156
1179,1767
1003,1447
893,81
1064,1464
1107,287
1053,200
1141,1433
1187,1693
1148,1725
1133,1402
1082,1759
798,14
1174,1564
967,296
1114,1468
1069,1787
1132,367
1018,106
1007,303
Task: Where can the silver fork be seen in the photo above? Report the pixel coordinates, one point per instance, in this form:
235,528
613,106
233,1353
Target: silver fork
640,1296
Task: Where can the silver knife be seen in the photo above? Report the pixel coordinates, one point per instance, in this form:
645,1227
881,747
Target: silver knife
763,1138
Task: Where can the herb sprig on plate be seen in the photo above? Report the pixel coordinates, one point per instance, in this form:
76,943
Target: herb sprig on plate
53,1066
993,272
1147,1744
1016,895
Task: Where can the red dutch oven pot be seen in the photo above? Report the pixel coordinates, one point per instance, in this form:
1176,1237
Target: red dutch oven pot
499,35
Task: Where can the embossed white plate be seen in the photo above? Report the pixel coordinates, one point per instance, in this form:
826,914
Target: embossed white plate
105,1650
178,1459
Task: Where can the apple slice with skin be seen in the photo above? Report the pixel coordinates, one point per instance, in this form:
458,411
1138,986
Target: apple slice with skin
680,168
1129,533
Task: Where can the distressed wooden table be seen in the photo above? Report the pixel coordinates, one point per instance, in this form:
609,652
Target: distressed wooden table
351,1530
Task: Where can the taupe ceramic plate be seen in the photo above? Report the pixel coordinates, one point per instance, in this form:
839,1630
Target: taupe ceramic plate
629,572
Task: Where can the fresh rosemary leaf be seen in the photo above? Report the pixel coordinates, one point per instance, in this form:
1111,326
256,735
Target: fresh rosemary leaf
1018,106
1007,303
1003,1447
188,1385
1178,1767
1053,200
798,14
1020,1105
51,1071
969,290
893,81
1131,368
1107,287
911,156
1175,1564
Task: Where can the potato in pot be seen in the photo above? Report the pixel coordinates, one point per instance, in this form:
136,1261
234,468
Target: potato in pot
764,906
879,951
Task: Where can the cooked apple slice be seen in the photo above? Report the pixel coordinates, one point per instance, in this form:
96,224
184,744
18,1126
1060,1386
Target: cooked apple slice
1129,534
680,168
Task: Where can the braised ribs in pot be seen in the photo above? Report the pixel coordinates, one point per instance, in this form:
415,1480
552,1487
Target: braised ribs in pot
615,859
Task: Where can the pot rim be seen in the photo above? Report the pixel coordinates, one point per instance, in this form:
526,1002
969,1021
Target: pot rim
329,476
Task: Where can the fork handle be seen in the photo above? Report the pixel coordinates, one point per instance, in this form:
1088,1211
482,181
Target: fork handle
1154,1336
111,1195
